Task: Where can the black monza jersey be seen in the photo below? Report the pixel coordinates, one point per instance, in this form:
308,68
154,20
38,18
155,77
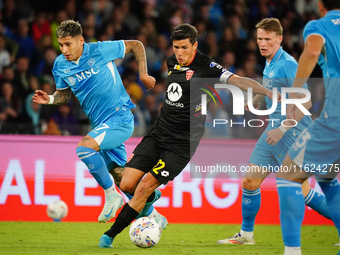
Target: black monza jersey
180,126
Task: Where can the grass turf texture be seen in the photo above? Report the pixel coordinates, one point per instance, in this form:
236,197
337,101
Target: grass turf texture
82,238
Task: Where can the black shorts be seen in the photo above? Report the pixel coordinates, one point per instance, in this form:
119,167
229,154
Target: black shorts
163,164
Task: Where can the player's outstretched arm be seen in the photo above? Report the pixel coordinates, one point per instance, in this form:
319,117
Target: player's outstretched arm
137,48
59,97
244,83
308,60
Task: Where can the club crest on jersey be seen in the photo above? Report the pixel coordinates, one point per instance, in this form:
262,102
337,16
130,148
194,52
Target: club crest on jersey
71,80
189,74
91,62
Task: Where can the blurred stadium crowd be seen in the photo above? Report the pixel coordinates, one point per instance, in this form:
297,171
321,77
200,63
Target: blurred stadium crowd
28,48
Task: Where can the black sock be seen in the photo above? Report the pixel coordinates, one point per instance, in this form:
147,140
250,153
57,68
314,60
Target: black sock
151,197
123,220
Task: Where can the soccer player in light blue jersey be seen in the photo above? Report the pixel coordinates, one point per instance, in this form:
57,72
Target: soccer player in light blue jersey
317,149
88,70
272,146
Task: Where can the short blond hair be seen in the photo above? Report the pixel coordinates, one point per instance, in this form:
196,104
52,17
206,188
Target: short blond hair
270,25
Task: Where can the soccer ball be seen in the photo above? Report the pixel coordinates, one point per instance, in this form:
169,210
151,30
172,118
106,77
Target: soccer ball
145,232
57,210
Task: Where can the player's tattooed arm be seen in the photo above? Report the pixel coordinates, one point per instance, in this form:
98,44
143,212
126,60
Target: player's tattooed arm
59,97
117,174
62,96
137,49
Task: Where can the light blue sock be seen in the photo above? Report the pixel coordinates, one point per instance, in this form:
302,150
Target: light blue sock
96,165
150,209
331,189
317,202
292,210
251,201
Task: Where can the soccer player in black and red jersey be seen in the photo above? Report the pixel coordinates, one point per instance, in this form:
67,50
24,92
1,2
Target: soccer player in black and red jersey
168,147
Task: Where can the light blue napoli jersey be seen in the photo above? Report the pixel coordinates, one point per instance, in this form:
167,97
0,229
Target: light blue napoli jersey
278,73
329,28
95,81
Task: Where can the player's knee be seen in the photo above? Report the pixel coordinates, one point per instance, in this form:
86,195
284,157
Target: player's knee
250,183
127,187
147,187
117,174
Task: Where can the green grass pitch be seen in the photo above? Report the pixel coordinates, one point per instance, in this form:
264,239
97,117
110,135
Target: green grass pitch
82,238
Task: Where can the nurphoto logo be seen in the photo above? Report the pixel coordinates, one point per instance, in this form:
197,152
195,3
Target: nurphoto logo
239,100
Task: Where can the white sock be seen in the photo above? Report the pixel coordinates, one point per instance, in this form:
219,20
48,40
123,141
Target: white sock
292,250
247,234
110,191
154,214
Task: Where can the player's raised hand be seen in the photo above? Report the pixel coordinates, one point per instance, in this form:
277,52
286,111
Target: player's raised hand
148,81
40,97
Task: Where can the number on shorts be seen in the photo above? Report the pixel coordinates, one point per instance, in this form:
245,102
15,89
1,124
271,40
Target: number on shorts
306,136
159,166
103,127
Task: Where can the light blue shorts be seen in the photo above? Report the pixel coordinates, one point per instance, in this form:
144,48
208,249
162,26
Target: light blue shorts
269,156
110,136
317,149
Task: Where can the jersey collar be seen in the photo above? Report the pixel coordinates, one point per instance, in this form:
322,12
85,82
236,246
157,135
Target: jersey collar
335,12
85,49
277,55
85,52
192,58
